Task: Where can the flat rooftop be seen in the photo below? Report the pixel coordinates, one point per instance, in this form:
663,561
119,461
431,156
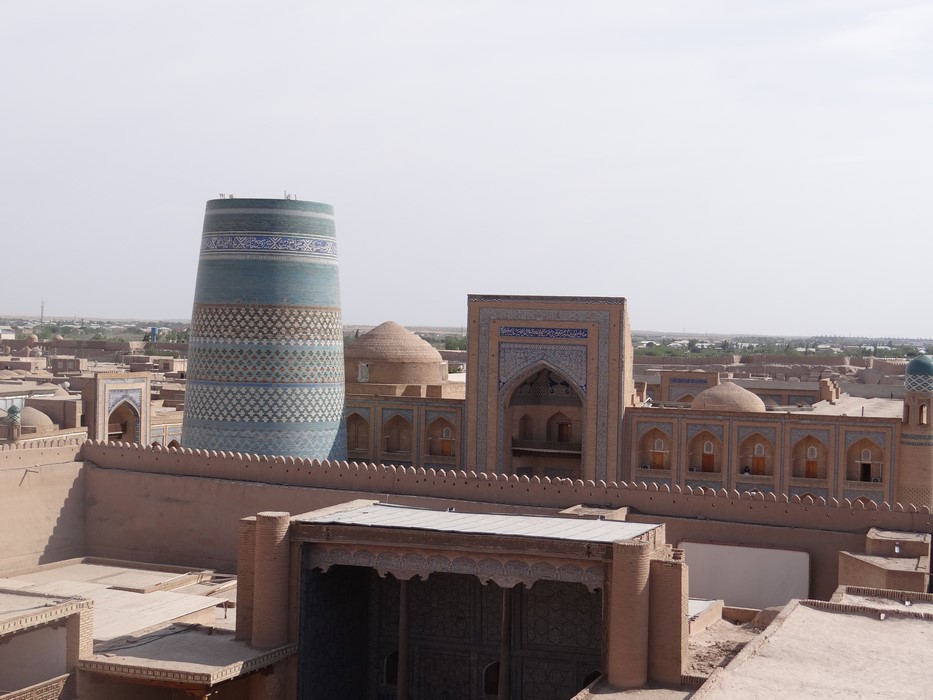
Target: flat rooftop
190,654
860,406
20,611
126,599
825,650
539,527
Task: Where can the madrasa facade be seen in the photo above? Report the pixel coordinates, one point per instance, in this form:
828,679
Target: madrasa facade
549,393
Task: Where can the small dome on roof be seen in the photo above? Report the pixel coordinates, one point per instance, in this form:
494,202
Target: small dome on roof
918,376
393,342
30,416
728,396
32,339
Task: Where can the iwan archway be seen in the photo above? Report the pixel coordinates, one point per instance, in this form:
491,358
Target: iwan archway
543,424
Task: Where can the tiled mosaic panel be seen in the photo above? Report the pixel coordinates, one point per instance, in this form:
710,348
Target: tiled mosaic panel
252,323
276,365
263,404
132,396
312,441
918,382
277,245
515,358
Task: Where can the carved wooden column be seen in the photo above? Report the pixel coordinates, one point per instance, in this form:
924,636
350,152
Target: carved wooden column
401,689
505,648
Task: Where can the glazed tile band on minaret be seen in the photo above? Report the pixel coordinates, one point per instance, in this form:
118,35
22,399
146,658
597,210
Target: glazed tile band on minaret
265,364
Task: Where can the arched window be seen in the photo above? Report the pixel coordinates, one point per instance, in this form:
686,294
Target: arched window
708,447
866,455
659,444
812,452
924,414
759,450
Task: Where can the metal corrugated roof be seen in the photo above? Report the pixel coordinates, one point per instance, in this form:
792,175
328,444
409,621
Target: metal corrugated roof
576,530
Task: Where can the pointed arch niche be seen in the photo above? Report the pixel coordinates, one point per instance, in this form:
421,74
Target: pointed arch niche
864,461
654,450
357,434
543,420
441,438
396,436
756,455
809,457
123,423
705,453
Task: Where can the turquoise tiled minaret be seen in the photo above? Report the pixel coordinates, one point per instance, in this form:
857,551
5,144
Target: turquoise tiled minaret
265,363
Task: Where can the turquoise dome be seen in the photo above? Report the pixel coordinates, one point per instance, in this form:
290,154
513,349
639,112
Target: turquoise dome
921,365
919,374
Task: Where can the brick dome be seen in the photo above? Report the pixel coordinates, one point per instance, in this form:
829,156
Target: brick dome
728,396
33,417
393,355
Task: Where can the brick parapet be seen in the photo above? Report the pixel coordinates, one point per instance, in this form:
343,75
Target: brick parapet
52,689
912,596
662,500
41,451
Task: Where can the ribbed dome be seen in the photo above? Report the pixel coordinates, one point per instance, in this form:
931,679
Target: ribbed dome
728,396
918,376
391,342
33,417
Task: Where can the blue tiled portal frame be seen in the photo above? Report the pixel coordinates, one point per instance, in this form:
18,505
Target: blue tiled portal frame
265,367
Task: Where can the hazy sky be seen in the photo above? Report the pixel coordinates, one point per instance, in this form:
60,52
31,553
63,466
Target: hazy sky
758,167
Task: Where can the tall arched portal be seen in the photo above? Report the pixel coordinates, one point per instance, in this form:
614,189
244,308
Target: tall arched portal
544,427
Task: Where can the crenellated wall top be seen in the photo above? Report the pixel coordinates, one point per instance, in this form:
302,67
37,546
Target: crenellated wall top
649,498
43,443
